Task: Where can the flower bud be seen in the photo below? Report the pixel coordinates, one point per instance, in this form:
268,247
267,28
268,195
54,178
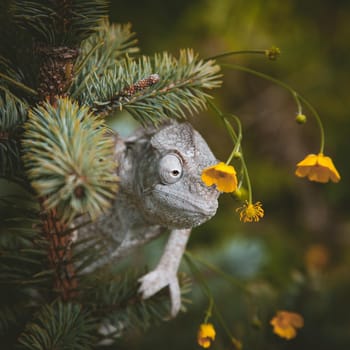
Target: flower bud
237,155
273,53
241,194
300,118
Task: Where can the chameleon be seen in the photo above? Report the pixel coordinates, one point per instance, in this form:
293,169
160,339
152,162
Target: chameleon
160,189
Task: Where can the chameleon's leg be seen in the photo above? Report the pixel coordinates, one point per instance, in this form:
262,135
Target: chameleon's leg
165,274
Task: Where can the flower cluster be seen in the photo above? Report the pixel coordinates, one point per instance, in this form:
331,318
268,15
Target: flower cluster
315,167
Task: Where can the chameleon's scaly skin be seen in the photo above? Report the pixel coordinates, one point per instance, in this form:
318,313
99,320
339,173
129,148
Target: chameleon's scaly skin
159,188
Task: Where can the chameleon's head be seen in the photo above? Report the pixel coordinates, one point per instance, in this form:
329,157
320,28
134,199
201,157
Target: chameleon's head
172,194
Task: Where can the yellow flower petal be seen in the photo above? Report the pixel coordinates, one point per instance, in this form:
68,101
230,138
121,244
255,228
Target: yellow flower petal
206,334
221,175
309,160
317,168
287,333
327,162
285,324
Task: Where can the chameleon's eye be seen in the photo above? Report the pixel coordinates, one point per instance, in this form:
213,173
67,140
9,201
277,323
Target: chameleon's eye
170,169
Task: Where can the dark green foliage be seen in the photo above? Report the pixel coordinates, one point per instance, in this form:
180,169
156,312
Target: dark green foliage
23,255
59,326
114,300
23,259
59,22
69,159
12,114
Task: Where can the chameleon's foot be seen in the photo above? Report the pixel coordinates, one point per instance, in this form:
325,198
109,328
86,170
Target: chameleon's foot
156,280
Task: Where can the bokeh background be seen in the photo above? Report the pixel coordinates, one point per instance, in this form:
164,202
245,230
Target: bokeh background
298,257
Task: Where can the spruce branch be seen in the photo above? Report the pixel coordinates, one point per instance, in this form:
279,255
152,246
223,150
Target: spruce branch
59,326
180,90
22,249
101,51
59,22
69,159
106,46
10,316
13,113
114,299
12,80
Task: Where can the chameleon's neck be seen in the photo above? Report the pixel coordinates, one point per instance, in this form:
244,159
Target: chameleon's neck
136,163
136,170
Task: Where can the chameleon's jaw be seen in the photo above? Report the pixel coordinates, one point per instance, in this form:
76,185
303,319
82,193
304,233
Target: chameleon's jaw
178,210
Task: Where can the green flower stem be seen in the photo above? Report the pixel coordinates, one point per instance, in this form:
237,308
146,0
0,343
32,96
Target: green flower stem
236,138
234,152
213,268
237,144
209,311
240,52
318,119
206,290
222,322
297,97
247,179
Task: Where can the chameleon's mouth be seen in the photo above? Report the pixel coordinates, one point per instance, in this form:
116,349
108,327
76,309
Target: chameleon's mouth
207,207
190,212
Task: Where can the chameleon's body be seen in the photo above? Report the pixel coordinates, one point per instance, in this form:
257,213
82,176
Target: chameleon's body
159,188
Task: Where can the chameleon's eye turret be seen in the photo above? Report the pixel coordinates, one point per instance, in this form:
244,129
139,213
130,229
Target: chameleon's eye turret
170,169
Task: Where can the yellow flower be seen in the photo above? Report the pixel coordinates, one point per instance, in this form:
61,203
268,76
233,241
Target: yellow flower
221,175
250,212
206,334
285,324
317,168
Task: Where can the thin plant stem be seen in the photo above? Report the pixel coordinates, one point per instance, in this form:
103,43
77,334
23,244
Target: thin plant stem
318,119
247,179
209,311
237,141
207,292
297,97
222,322
213,268
235,138
232,53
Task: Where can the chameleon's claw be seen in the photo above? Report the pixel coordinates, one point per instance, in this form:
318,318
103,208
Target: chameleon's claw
156,280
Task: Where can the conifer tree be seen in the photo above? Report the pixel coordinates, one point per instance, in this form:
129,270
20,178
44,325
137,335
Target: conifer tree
64,69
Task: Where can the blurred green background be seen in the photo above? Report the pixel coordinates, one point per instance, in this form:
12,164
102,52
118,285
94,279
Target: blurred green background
298,257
